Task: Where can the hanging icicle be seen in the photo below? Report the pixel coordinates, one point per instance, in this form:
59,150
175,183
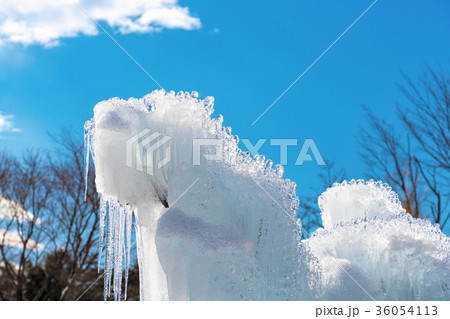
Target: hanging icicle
116,222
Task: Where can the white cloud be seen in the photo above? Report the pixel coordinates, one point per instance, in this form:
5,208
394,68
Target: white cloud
6,124
45,22
14,239
12,210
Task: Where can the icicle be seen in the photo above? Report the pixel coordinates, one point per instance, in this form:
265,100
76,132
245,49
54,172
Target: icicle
139,254
102,214
122,249
88,151
116,250
86,159
116,222
109,249
128,222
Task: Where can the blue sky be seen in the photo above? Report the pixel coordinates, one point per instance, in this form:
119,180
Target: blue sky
244,53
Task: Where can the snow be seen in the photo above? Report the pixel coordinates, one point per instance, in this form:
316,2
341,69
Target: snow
392,256
358,199
226,228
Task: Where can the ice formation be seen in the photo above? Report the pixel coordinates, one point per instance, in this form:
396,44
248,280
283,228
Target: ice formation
207,231
371,249
226,229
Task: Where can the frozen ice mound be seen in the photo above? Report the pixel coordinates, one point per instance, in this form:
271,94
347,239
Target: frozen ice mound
386,253
358,199
226,229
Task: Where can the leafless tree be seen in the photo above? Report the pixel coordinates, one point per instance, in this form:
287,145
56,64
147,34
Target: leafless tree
25,197
309,211
55,254
413,156
427,120
388,159
47,223
78,243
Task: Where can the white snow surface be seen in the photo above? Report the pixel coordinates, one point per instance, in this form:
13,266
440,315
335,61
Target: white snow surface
358,199
385,252
227,229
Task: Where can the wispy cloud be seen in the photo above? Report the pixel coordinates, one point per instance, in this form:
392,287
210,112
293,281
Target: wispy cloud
6,124
15,239
45,22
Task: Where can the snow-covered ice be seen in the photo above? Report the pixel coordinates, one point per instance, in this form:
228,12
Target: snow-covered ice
371,243
227,229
